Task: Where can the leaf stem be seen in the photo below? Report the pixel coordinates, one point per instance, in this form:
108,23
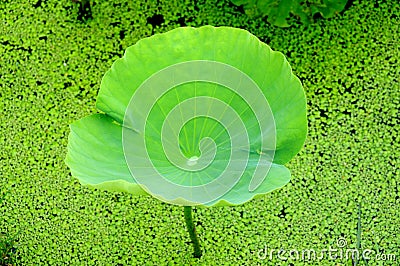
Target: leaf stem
192,231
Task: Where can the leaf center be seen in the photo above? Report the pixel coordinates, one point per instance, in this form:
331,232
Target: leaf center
192,161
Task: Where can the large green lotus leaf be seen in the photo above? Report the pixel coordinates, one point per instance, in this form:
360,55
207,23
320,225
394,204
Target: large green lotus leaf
98,155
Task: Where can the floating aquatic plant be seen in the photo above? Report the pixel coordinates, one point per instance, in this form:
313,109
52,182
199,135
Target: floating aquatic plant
194,117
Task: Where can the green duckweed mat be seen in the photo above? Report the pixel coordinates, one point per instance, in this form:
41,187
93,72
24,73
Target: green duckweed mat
51,65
